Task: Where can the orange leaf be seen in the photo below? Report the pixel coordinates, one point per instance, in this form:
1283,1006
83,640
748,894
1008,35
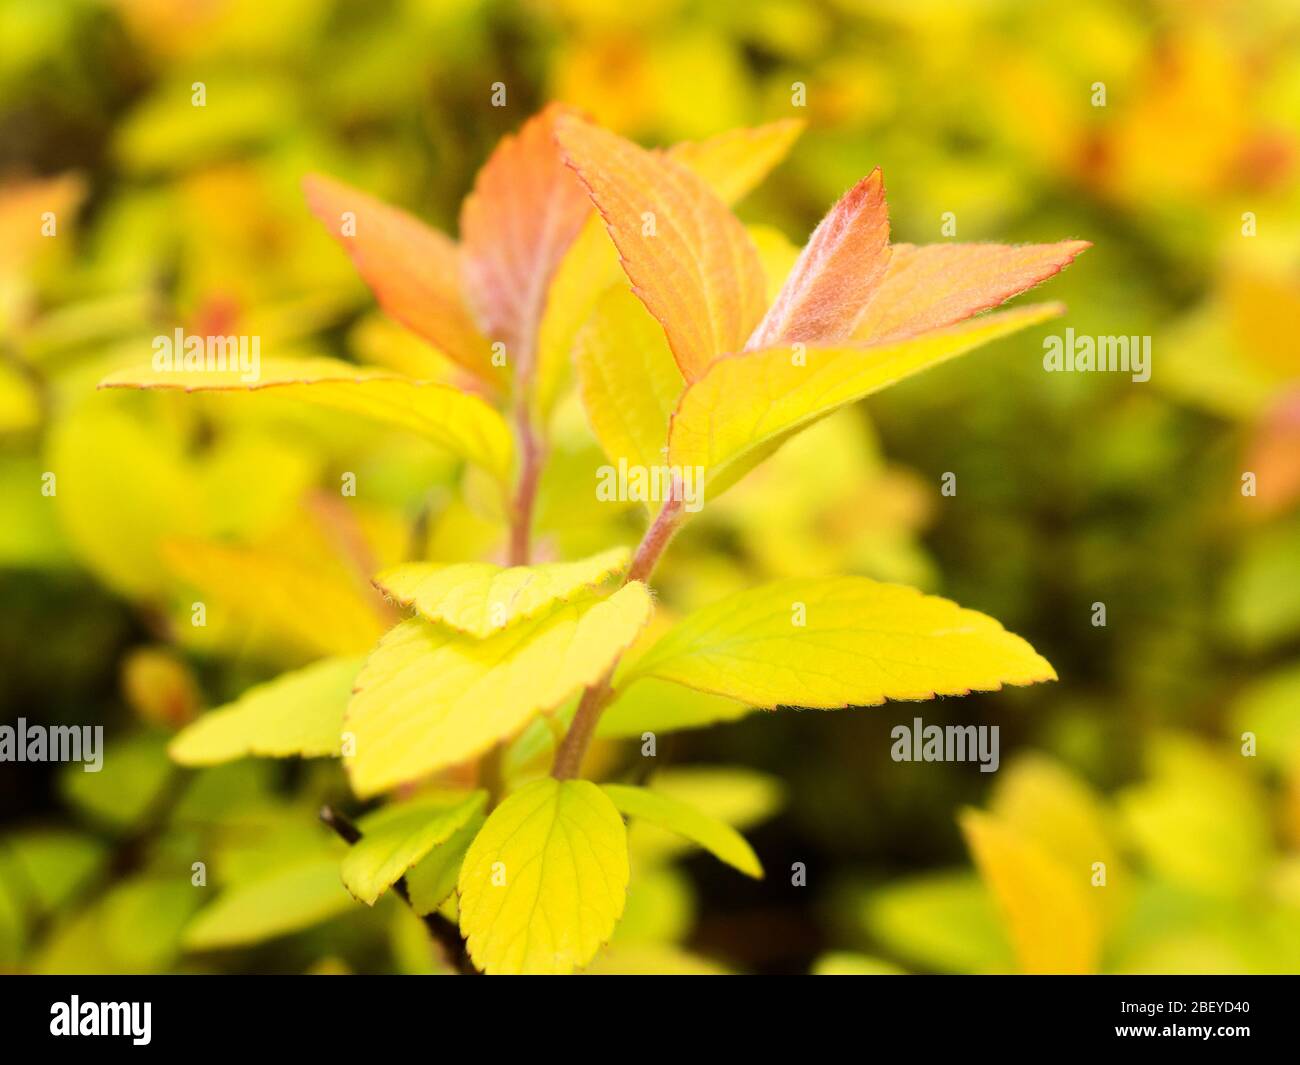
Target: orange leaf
526,209
413,270
831,282
941,284
688,257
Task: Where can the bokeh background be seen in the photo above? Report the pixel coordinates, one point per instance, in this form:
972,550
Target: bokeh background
1073,489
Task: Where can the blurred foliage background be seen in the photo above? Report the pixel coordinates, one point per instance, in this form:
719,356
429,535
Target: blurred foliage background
1073,489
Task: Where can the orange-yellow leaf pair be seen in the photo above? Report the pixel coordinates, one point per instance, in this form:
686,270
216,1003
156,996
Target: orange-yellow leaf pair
524,212
856,310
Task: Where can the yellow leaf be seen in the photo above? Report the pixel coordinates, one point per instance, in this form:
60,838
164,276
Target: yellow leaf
737,797
944,922
751,401
395,838
657,706
628,380
777,253
321,612
299,713
717,837
464,424
839,641
114,522
1048,805
479,598
1051,922
545,881
689,259
433,879
429,698
733,163
296,896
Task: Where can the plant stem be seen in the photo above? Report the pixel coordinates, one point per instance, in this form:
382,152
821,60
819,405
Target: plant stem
568,759
521,511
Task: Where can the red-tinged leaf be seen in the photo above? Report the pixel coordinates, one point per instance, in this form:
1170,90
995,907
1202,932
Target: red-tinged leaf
413,270
526,209
689,259
832,281
939,285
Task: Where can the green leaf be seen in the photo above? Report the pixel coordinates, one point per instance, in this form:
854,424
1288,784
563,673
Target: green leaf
133,775
738,797
288,900
462,423
479,598
43,868
133,927
717,837
652,705
429,698
545,881
743,403
836,642
430,883
941,921
298,713
1270,708
395,838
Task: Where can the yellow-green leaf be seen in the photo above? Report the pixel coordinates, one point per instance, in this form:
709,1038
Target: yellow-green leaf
744,402
479,598
429,698
321,612
734,162
840,641
432,880
652,705
395,838
299,713
545,881
1048,805
628,379
295,897
464,424
940,921
716,837
1050,920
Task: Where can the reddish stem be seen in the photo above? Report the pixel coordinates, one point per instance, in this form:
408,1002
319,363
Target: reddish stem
568,759
521,517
